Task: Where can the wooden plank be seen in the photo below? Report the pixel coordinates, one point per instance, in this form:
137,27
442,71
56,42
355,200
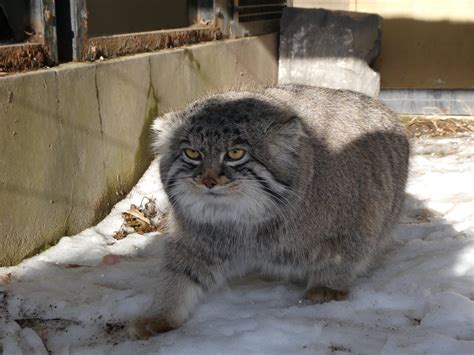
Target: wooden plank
21,57
126,44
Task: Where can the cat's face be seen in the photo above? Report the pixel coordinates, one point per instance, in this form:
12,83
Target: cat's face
230,161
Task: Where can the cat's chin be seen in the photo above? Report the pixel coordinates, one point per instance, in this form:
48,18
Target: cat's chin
219,207
222,204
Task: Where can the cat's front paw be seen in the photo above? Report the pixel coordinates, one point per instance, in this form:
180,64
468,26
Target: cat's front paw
325,294
143,328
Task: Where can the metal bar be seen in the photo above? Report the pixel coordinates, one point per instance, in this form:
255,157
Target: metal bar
240,7
200,10
260,13
258,2
192,8
49,30
256,17
205,10
223,10
259,10
126,44
79,25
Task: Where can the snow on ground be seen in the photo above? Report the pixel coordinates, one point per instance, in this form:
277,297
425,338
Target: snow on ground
419,299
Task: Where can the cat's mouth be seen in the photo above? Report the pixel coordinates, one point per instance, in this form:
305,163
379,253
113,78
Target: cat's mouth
214,194
225,190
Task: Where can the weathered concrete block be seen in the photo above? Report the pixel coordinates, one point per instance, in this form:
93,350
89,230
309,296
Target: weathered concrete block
330,48
81,179
324,33
30,200
127,107
49,185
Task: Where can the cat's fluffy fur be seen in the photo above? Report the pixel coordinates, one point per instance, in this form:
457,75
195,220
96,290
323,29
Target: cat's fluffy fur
314,198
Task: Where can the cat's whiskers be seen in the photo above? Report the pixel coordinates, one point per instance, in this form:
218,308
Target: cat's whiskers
285,201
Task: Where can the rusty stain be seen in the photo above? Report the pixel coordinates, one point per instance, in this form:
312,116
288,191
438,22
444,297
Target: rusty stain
48,16
126,44
22,57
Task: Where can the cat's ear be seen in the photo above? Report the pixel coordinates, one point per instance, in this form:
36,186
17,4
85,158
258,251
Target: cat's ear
163,129
290,130
285,139
293,126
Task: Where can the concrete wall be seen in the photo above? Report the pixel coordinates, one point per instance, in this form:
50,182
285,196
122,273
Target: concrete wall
425,44
75,138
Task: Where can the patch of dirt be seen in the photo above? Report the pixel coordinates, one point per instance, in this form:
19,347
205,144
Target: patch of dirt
3,305
114,327
337,348
39,325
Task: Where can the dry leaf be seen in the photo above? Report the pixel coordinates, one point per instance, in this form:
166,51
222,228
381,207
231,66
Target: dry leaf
120,234
135,212
141,219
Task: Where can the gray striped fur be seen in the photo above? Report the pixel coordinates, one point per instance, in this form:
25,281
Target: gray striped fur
315,198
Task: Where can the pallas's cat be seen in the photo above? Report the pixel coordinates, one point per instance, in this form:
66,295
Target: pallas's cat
297,182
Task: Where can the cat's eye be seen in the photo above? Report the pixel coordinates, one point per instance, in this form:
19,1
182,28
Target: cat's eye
192,154
235,154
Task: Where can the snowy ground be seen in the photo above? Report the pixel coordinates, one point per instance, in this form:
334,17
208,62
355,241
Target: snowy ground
420,299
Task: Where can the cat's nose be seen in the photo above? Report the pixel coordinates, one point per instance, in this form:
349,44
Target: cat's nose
209,182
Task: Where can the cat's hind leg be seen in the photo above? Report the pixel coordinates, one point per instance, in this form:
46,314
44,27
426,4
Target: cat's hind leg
339,263
331,283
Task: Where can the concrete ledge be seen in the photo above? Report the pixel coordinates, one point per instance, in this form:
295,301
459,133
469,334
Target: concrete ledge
429,102
74,139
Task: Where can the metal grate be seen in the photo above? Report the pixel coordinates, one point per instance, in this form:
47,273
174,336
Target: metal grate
258,10
240,18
